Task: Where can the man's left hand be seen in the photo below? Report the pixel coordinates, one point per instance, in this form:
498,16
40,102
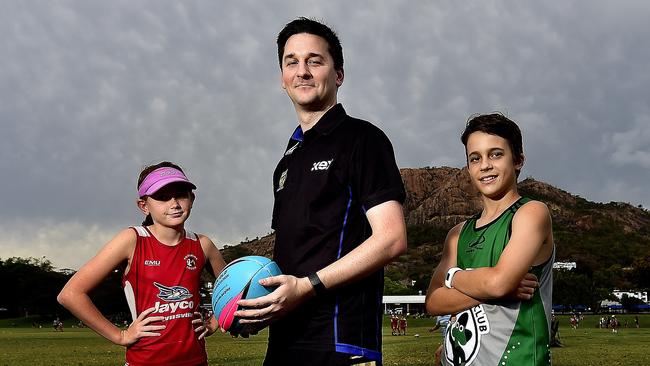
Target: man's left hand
291,291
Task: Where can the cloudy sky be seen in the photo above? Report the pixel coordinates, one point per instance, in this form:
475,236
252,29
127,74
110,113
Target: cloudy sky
92,91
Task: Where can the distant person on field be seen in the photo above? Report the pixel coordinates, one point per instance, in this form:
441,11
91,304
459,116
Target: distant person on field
58,325
555,332
393,324
574,322
402,325
442,321
614,324
161,280
495,274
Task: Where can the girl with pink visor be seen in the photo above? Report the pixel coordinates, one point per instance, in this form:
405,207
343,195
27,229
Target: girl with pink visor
162,277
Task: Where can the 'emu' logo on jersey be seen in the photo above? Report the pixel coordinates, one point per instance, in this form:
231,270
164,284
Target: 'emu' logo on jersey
322,165
463,338
173,293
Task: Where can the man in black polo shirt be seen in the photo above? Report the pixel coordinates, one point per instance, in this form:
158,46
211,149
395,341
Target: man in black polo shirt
337,217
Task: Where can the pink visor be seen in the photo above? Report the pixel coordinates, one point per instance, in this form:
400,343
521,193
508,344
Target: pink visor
160,178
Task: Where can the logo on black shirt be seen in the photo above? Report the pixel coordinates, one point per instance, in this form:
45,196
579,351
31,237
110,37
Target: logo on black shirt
283,178
322,165
291,149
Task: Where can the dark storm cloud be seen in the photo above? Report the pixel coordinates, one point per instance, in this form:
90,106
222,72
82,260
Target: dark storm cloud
92,91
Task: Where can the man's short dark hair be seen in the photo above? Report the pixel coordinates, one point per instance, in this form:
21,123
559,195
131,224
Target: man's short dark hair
499,125
310,26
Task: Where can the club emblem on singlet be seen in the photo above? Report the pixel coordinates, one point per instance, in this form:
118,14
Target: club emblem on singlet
190,261
172,293
463,339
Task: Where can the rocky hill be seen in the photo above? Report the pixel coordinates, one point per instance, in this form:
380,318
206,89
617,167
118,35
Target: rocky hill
596,235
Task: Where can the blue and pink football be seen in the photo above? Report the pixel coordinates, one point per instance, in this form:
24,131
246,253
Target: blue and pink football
240,280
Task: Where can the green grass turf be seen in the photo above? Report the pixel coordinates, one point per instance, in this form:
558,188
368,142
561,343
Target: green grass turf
23,345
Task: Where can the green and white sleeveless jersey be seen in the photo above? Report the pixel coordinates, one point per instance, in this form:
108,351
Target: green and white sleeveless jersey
501,332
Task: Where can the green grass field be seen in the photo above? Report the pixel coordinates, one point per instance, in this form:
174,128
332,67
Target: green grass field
23,345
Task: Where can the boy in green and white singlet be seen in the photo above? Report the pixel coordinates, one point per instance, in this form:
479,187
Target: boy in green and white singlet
495,273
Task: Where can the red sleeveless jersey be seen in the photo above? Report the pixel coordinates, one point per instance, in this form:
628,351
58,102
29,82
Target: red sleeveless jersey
167,278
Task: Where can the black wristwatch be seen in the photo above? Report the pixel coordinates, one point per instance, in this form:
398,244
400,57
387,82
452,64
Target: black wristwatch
318,285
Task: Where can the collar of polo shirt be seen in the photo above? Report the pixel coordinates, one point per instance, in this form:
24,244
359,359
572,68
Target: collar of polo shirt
328,122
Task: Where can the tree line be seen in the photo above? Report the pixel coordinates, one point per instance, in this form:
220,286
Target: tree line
30,287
